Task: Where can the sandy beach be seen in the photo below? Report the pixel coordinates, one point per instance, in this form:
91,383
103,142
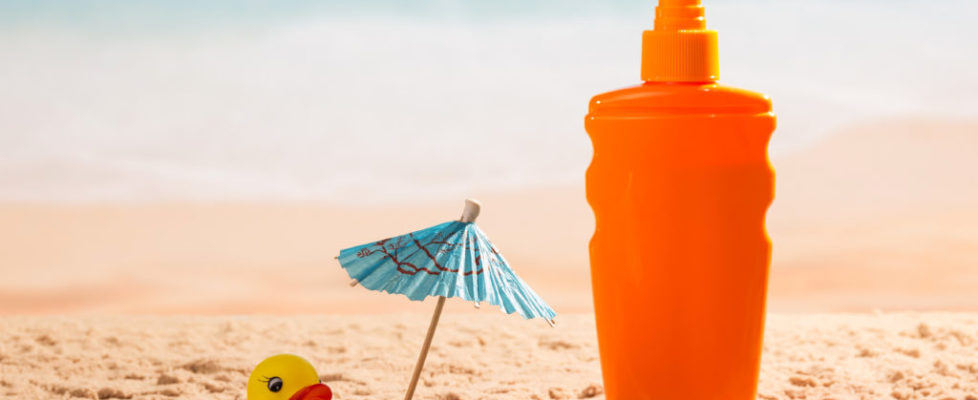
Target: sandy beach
899,356
132,301
178,178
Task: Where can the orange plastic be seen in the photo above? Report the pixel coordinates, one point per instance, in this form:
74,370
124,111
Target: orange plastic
680,183
680,48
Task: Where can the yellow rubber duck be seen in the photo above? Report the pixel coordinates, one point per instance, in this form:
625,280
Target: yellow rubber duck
286,377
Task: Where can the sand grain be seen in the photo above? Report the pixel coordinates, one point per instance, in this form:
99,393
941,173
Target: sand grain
475,356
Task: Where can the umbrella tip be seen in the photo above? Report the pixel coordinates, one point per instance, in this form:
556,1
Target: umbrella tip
471,211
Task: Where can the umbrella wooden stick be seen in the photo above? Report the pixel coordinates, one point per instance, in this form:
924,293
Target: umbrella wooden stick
469,214
425,347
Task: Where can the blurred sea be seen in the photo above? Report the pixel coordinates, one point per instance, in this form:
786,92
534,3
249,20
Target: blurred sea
392,101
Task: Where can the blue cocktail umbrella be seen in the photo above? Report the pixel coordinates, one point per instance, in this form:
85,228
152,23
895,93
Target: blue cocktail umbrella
452,259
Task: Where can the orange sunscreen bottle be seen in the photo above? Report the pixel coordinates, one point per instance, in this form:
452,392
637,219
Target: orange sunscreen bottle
679,184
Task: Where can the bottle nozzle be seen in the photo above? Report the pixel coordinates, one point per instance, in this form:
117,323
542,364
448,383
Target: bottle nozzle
680,48
675,15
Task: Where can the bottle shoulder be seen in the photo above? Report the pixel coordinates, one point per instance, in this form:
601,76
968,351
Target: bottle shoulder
682,98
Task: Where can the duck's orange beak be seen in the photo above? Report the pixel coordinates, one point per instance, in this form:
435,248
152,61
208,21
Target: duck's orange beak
318,391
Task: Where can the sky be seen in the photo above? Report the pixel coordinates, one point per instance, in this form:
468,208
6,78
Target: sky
379,101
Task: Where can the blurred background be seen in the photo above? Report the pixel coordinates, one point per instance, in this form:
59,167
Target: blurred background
213,157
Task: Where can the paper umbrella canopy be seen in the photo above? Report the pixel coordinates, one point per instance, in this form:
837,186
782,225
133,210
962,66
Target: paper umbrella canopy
451,259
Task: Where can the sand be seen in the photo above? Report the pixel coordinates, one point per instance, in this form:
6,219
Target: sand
878,216
475,356
877,219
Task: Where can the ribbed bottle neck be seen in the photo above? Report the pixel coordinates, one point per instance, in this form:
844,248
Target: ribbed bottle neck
680,48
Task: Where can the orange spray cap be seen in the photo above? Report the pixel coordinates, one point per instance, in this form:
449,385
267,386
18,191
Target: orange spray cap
680,48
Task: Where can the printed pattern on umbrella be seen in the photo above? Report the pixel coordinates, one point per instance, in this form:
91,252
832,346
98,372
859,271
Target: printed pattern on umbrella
439,245
452,259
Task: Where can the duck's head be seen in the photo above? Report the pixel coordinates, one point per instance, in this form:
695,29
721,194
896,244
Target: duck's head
286,377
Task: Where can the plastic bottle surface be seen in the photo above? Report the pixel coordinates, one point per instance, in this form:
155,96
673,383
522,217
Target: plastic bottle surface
679,184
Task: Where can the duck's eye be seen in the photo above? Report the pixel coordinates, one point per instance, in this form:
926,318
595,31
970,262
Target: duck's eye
275,384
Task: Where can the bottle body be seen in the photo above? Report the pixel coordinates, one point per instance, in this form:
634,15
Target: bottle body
679,184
